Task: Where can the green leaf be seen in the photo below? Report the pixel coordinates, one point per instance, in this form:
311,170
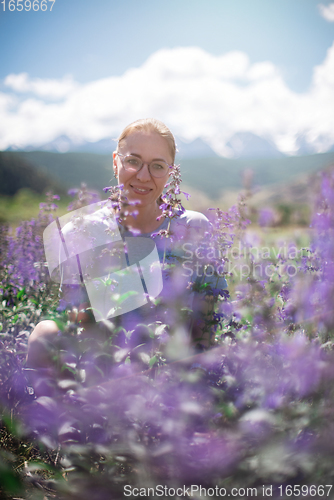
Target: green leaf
10,481
126,295
20,293
153,360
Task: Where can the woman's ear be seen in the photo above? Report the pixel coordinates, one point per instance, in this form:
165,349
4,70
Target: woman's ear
114,163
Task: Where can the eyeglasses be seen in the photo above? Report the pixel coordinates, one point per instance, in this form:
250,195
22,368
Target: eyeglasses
134,164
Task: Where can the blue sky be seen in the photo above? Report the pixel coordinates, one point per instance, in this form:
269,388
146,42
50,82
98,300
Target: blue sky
95,39
89,41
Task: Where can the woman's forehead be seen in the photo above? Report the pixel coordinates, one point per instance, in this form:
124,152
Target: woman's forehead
146,142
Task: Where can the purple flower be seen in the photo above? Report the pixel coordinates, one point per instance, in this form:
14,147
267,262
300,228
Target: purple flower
266,217
72,191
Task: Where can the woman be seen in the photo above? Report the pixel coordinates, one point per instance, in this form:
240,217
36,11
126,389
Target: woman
143,163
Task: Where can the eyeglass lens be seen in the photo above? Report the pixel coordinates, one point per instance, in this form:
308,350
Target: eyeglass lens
156,168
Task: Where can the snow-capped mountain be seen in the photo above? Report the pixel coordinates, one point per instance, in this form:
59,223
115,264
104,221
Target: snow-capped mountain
240,145
249,145
194,149
64,144
322,144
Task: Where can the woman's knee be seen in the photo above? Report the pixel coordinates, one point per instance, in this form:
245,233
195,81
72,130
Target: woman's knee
45,329
41,343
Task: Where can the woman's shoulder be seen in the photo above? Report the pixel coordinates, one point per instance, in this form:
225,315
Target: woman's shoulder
190,225
192,220
97,215
89,227
192,215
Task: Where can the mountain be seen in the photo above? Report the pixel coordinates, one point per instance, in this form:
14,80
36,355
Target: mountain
249,145
322,143
63,144
240,145
194,149
303,146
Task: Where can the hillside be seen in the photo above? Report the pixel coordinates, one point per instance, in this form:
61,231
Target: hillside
17,173
71,169
212,176
215,176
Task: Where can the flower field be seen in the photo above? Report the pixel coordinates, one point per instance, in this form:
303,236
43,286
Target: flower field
252,416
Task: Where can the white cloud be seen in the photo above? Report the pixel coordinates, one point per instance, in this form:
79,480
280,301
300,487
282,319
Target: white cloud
327,11
47,88
196,93
194,62
262,70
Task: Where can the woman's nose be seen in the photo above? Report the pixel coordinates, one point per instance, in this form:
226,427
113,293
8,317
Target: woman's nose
144,174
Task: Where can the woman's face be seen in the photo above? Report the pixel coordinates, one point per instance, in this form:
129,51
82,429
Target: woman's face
141,186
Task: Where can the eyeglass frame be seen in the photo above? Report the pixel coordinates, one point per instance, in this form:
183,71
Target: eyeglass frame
144,163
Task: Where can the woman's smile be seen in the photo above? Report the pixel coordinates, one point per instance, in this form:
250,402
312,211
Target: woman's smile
140,189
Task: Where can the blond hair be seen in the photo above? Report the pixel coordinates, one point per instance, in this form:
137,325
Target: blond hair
150,125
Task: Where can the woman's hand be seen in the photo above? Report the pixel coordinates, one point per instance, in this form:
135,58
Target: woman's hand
81,314
201,329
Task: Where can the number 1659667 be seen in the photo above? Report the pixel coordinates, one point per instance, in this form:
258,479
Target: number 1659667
21,5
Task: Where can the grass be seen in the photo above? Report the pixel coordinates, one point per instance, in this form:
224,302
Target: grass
25,206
